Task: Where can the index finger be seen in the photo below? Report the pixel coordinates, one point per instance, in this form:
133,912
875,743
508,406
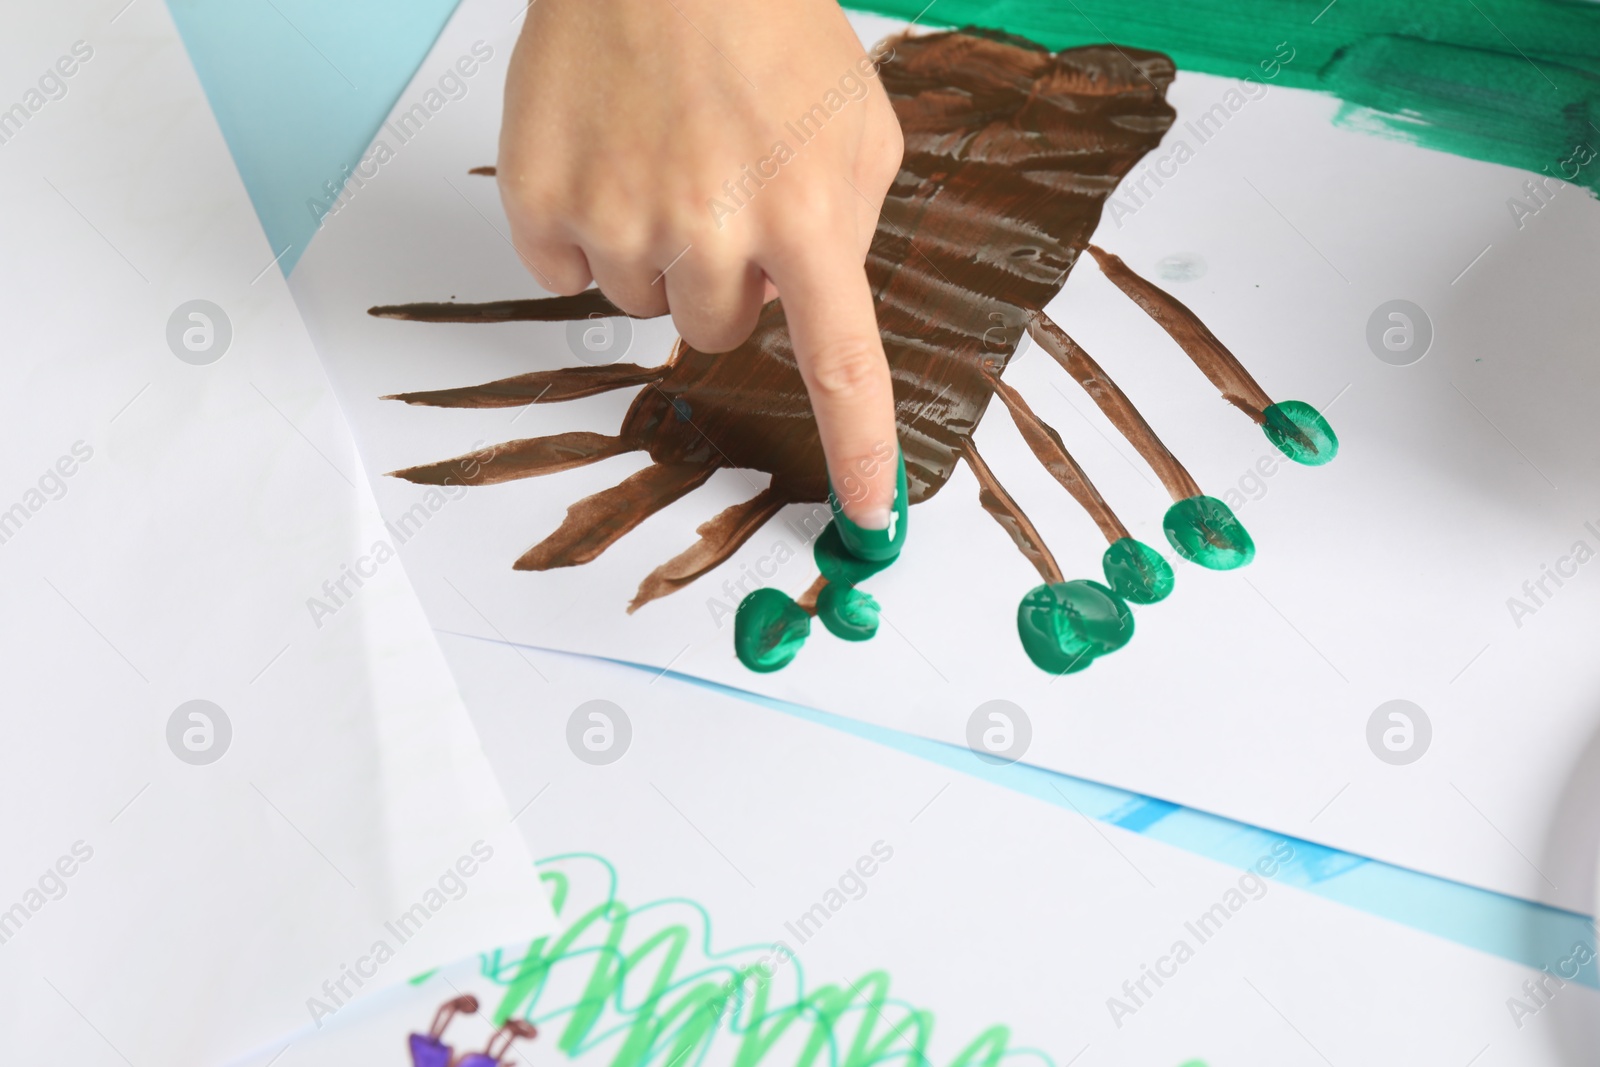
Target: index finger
834,326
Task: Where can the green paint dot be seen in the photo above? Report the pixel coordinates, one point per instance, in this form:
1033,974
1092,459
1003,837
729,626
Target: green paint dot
769,629
1299,431
1204,531
1065,626
1137,572
847,612
836,562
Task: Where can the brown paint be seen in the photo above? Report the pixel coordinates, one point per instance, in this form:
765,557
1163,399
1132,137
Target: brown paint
520,459
539,387
808,600
719,539
1005,510
587,304
1193,336
596,522
1048,448
1010,154
1111,400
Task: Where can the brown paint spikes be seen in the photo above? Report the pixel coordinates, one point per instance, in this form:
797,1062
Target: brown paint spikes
538,387
1048,448
1000,504
597,521
527,458
1111,400
587,304
1193,336
719,539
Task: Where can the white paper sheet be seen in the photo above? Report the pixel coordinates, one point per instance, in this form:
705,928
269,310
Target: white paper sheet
726,824
1385,575
178,880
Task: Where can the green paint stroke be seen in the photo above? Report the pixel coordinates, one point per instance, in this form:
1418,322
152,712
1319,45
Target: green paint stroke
1204,530
641,986
1136,572
769,629
837,563
1299,431
1507,81
1066,626
847,612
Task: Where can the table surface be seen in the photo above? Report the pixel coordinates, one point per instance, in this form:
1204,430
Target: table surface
300,87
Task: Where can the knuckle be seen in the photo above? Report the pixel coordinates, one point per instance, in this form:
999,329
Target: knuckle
709,337
704,267
893,152
808,209
715,333
619,236
684,220
528,199
707,318
562,279
794,237
845,367
634,300
556,268
610,221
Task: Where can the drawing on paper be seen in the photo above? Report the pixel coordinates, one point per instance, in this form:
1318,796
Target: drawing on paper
429,1050
639,985
1011,152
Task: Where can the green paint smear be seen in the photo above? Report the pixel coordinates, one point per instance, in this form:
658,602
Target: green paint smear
847,612
769,629
1438,75
640,985
1137,572
837,564
1066,626
1204,531
1300,432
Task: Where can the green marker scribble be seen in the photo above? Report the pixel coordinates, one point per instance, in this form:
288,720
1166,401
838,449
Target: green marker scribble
643,986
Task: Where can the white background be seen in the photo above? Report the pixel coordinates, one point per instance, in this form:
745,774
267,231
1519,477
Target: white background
176,566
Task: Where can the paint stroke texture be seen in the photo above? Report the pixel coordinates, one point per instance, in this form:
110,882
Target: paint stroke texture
1515,82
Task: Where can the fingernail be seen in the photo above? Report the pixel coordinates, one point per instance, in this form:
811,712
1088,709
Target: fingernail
881,533
874,519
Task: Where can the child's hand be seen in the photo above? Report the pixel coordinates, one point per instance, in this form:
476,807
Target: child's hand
683,154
